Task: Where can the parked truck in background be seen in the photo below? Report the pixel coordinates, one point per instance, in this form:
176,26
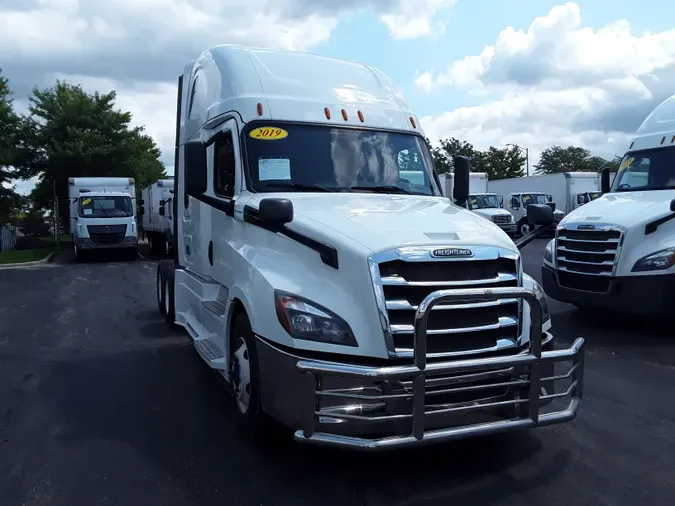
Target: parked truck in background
480,201
156,211
359,307
103,214
565,191
618,252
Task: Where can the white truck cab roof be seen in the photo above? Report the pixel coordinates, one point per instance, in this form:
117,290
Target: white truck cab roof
261,84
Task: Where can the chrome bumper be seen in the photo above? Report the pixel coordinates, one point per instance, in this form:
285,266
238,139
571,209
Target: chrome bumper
422,418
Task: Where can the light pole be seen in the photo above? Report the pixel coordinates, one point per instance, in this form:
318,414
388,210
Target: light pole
527,157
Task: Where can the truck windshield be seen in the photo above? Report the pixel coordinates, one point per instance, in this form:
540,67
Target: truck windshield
106,207
534,198
594,195
652,169
483,202
294,157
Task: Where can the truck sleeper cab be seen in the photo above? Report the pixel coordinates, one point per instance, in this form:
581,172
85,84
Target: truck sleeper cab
618,251
337,293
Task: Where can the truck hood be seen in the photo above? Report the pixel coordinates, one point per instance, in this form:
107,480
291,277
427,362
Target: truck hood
624,208
383,222
491,211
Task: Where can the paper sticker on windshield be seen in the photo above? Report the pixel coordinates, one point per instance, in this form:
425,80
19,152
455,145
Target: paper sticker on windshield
274,169
626,163
86,201
88,211
268,133
473,201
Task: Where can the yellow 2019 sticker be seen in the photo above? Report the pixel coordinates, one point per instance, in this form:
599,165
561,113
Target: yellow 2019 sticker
625,164
268,133
86,201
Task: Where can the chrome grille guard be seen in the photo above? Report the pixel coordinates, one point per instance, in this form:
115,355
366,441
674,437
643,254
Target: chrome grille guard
420,370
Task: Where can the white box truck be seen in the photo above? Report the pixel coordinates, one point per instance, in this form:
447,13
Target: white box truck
337,297
488,205
103,214
567,191
156,211
618,252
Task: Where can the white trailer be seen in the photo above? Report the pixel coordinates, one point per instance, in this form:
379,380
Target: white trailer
565,191
156,209
103,214
337,296
480,201
618,252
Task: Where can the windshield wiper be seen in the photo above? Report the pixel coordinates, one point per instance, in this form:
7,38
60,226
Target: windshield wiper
102,208
300,186
384,189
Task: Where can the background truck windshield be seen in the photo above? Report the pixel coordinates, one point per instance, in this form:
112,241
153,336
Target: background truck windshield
652,169
534,198
483,202
105,207
292,157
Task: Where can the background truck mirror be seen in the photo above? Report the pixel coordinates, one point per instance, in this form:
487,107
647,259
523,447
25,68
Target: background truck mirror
195,168
162,202
162,212
142,210
141,201
604,180
276,212
672,205
540,214
460,192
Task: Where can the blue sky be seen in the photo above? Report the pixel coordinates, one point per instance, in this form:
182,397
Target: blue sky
531,72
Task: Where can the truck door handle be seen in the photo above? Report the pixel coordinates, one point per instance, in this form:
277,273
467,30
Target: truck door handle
211,253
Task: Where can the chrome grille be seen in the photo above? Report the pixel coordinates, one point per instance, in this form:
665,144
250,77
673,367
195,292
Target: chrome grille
586,257
501,219
490,326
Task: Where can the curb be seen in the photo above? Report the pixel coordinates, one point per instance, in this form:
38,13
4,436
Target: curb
45,260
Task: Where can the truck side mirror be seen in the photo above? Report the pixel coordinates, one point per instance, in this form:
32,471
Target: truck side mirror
672,205
540,214
604,180
162,212
460,191
276,212
141,201
142,210
195,168
162,202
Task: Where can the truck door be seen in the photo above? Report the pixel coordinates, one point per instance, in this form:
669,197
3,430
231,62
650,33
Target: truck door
226,165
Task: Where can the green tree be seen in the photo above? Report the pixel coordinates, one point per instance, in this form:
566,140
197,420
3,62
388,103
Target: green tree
503,163
571,159
454,147
72,133
9,123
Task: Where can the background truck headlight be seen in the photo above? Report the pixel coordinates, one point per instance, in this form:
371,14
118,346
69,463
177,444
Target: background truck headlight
658,261
309,321
548,252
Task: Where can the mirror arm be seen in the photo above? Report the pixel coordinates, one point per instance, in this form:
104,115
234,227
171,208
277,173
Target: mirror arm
527,239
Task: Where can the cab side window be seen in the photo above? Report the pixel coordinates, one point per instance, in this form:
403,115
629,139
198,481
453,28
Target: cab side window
224,166
514,203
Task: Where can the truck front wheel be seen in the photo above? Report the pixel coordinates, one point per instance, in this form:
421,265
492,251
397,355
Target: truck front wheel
245,378
524,227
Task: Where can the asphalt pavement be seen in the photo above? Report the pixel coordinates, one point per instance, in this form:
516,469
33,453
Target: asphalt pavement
102,404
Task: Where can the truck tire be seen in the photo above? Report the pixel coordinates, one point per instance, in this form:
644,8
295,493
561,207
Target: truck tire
245,380
524,227
160,289
170,295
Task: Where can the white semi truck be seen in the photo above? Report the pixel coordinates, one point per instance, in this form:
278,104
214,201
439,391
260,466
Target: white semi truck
335,296
480,201
565,191
618,252
103,214
156,210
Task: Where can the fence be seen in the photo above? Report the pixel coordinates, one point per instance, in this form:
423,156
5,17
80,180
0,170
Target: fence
7,238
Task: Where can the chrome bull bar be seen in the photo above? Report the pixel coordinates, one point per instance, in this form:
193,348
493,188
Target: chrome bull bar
420,371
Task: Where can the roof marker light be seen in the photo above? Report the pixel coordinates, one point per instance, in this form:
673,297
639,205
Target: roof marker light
327,111
360,114
344,115
412,122
260,109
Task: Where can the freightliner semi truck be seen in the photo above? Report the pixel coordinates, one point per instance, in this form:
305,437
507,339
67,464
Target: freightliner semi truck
618,252
337,297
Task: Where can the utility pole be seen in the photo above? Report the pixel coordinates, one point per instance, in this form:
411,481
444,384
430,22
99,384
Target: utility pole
527,157
55,215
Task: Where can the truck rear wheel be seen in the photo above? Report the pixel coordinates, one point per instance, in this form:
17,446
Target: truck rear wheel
245,379
160,289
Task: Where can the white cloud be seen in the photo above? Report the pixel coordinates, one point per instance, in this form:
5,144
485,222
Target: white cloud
415,18
559,83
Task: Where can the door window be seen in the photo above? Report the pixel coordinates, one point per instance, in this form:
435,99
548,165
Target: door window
224,166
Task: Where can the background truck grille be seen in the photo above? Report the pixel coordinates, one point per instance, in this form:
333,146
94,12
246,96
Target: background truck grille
107,234
501,219
452,329
586,258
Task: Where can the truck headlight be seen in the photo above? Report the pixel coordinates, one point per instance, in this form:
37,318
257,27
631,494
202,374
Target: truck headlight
658,261
310,322
548,252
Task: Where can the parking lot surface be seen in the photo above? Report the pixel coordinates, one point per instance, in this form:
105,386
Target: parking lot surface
100,403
